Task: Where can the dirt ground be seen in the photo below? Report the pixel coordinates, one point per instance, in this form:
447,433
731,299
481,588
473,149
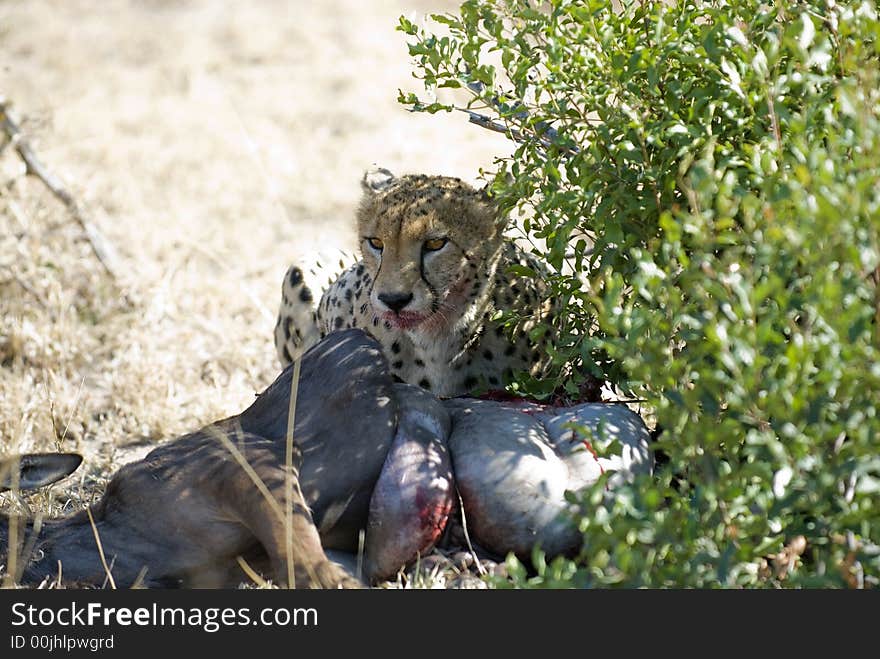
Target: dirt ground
212,144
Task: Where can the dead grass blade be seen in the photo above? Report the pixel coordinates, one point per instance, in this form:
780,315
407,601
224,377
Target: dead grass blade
467,537
101,549
256,480
288,471
248,469
139,580
12,551
360,555
76,402
252,574
109,572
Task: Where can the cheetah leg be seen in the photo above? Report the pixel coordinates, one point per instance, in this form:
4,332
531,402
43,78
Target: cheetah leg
297,329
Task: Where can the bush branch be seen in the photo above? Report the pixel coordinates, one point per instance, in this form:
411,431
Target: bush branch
547,135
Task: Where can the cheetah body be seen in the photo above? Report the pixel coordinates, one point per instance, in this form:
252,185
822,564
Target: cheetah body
435,269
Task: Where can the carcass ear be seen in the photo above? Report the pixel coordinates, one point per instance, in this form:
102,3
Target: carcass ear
377,179
37,469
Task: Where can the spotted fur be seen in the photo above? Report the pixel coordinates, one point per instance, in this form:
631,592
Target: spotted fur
434,271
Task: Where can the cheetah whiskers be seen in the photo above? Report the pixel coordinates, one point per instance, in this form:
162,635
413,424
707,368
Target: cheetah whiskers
441,317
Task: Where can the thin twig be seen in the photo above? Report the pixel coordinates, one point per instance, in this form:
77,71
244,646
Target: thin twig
99,244
547,135
516,135
490,124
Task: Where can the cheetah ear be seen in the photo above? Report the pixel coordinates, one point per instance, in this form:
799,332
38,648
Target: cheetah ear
486,190
377,179
501,219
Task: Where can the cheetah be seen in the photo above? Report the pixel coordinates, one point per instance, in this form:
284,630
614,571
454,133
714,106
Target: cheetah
434,271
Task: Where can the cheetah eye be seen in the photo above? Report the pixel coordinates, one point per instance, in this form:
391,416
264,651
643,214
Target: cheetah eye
435,244
376,243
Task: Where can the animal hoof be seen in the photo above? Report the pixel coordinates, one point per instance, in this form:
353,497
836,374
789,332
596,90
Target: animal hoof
332,576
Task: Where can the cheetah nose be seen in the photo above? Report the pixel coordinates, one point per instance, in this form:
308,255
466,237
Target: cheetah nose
395,301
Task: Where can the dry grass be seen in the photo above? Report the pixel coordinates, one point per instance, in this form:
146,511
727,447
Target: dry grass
212,143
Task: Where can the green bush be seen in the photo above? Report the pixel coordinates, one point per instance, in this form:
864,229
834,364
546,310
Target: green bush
715,167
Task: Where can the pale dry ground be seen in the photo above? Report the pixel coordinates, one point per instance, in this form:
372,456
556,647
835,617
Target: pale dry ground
212,143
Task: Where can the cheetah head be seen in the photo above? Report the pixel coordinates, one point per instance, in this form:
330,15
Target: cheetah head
432,244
